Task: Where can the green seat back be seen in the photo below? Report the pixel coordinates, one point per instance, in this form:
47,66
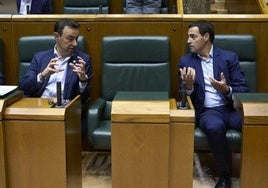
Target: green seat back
245,47
86,6
135,63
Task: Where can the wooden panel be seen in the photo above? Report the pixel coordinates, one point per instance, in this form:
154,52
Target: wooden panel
43,150
140,155
242,6
57,6
116,6
262,57
255,113
36,154
254,170
181,147
73,144
4,102
181,154
143,111
26,109
3,174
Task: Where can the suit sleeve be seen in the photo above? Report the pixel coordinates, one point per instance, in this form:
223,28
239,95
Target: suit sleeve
28,84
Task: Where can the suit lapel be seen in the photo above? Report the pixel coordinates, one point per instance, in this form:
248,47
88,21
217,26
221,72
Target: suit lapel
199,71
70,78
216,64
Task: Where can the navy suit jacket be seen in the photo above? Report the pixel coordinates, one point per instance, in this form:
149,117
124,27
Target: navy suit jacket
223,61
2,79
38,7
31,88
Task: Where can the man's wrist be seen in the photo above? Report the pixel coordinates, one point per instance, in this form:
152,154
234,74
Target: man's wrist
41,77
84,79
228,92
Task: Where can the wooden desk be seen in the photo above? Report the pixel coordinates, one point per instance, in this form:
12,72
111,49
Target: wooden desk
181,147
254,160
43,144
140,141
4,102
152,143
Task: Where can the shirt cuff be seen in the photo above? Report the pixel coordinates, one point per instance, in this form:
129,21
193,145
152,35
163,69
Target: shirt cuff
229,94
39,78
189,91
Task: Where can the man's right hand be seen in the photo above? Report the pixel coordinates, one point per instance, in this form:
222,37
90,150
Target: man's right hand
52,67
188,76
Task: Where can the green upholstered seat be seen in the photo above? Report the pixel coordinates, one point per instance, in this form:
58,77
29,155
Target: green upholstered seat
245,47
86,6
163,10
129,63
29,45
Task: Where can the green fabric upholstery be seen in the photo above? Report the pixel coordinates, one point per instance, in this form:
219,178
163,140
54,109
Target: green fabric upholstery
163,9
1,55
245,47
29,45
129,63
86,6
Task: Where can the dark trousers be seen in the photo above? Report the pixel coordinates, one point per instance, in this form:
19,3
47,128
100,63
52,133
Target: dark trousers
214,122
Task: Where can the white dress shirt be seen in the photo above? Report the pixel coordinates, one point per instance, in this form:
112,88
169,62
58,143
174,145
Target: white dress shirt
23,6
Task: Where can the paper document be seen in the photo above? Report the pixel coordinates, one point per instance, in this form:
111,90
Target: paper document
5,89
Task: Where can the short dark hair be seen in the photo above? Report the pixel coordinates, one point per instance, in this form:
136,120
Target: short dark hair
204,27
61,23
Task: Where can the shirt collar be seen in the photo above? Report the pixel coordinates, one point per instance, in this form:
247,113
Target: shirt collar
56,54
210,56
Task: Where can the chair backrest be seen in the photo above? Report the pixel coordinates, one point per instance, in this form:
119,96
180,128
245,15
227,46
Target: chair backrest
29,45
163,9
245,47
135,63
86,6
1,55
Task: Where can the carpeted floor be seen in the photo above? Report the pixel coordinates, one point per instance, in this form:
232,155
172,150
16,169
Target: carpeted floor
96,171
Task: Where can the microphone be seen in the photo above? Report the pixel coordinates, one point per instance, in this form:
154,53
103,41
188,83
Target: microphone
59,100
100,9
27,9
183,95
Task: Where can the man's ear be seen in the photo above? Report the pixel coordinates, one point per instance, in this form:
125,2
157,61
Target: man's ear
56,35
206,36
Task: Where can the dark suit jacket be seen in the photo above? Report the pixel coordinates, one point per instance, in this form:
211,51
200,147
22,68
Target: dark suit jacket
38,6
31,88
2,79
223,61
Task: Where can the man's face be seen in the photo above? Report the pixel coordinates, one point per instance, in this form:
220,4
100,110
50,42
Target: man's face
196,41
67,42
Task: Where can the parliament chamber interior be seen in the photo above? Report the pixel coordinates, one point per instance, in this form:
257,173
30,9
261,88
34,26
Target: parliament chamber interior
149,140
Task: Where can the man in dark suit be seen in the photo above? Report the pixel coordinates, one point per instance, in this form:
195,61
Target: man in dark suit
34,6
211,75
63,63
